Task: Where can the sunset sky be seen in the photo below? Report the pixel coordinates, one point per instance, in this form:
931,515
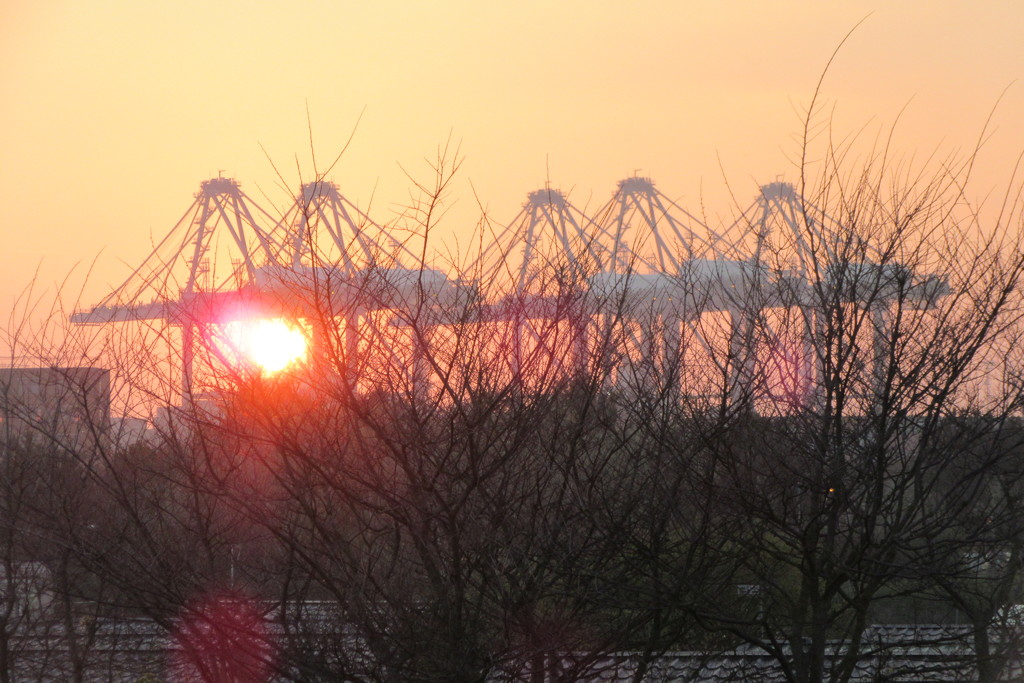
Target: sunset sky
111,113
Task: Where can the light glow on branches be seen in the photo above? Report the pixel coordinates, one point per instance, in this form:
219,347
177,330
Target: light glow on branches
271,344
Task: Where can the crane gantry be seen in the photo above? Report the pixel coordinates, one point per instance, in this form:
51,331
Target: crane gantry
641,262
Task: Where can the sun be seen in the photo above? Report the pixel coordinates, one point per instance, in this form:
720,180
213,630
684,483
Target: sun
271,344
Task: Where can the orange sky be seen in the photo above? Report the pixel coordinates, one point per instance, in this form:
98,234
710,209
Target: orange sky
111,113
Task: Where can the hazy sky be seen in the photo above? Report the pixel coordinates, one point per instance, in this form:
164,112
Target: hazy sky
111,113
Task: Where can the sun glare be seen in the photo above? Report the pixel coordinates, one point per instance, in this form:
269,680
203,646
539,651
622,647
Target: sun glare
270,344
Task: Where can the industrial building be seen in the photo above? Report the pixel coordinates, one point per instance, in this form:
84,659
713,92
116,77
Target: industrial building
64,407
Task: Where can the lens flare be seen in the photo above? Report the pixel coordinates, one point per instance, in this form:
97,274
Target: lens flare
270,344
222,638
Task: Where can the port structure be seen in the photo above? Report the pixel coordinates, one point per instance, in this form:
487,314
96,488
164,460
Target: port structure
204,270
813,263
227,260
663,269
556,279
343,268
188,266
532,278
